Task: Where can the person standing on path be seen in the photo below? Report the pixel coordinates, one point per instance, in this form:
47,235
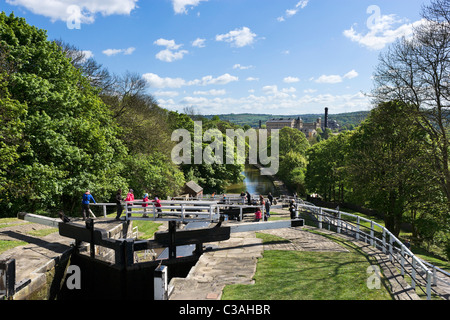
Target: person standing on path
119,200
129,199
85,201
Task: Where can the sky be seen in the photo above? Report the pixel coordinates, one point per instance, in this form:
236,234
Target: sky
280,57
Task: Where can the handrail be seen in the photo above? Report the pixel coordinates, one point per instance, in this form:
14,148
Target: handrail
387,247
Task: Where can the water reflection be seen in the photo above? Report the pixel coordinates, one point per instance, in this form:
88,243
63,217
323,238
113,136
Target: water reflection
254,183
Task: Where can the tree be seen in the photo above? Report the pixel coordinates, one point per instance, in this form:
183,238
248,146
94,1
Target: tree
416,72
387,164
73,140
324,173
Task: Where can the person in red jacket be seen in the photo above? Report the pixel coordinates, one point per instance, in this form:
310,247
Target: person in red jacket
128,199
258,215
157,205
145,205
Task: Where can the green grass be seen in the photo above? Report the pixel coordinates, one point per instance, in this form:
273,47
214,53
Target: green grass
293,275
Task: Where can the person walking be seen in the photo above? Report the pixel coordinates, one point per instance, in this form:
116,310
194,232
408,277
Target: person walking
158,205
267,208
119,200
85,201
292,208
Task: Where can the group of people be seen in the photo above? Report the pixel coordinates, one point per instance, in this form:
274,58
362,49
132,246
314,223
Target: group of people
267,203
129,200
87,198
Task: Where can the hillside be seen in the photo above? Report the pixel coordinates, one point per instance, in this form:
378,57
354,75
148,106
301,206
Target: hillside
344,119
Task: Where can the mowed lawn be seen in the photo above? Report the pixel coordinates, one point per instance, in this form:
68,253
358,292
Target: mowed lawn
294,275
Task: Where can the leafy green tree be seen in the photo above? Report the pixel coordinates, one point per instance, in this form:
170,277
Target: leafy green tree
326,162
388,163
73,140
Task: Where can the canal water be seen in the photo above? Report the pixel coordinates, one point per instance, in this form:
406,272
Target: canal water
254,183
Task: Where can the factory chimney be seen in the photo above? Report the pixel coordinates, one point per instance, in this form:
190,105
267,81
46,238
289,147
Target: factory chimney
325,125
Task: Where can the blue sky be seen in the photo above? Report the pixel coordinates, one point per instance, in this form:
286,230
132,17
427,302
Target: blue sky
235,56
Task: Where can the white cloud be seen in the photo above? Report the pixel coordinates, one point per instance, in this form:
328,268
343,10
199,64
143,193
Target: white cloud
156,81
382,32
179,6
273,101
221,80
238,37
169,44
171,53
199,43
252,79
87,9
240,67
166,94
350,75
329,79
292,12
113,52
87,54
333,79
212,92
291,79
170,56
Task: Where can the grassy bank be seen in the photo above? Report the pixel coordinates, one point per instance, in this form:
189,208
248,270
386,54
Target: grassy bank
294,275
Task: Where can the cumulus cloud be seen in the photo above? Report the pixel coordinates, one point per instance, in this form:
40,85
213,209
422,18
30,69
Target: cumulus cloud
382,31
113,52
238,37
62,10
199,43
332,79
172,52
273,101
156,81
179,6
291,79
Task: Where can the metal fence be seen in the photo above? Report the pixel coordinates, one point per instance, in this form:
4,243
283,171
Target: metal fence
381,238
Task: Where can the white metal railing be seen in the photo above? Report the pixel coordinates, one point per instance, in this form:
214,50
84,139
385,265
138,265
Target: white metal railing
172,210
379,237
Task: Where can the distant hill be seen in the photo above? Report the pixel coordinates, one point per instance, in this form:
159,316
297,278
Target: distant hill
343,119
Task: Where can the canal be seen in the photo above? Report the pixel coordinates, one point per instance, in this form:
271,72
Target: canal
254,183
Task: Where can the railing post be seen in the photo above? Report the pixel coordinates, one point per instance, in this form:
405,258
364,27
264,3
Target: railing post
357,228
413,273
104,211
384,240
320,218
390,246
434,276
428,285
371,233
339,223
402,260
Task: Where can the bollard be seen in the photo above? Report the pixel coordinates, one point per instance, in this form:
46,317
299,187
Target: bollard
160,283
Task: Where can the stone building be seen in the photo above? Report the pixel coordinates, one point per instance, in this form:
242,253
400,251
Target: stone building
309,129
